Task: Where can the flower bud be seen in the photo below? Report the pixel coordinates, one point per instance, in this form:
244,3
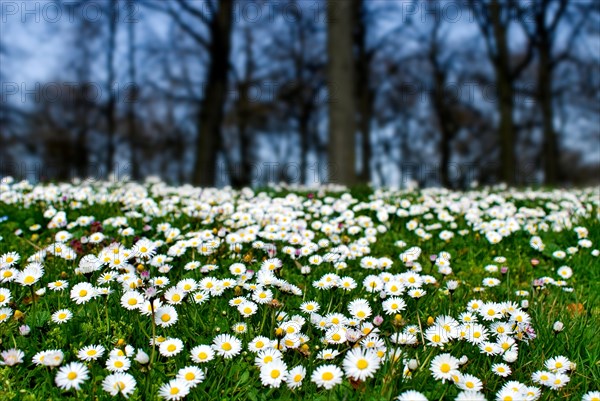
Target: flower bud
413,364
24,330
558,326
510,356
142,357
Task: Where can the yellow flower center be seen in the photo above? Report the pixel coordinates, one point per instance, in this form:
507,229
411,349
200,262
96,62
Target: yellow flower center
226,347
165,318
132,301
29,280
275,373
83,293
189,376
72,376
327,376
171,347
445,368
202,355
362,364
119,364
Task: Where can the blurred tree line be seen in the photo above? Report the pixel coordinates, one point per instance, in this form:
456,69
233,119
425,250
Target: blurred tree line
353,91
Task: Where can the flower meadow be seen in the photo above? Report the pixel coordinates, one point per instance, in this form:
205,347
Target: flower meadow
120,290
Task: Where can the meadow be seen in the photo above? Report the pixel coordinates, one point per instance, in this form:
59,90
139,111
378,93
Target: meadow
119,290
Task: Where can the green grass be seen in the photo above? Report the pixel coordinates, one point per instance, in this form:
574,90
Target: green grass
103,321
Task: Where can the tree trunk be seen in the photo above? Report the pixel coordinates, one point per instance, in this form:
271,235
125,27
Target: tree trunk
545,69
304,130
132,98
342,113
111,103
211,111
505,94
364,95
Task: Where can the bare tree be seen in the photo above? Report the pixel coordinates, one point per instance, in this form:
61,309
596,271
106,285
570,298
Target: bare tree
342,110
111,103
494,18
132,96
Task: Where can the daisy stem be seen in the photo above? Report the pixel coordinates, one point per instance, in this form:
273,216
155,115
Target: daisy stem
420,325
148,378
264,318
106,315
32,299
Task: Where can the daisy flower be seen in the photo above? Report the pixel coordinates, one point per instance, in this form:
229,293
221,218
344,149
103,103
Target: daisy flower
559,380
360,364
310,307
120,382
118,363
416,293
259,343
360,309
30,275
11,357
9,259
174,295
90,352
273,373
558,364
347,283
170,347
436,336
82,293
58,285
501,369
411,395
226,345
444,366
62,316
295,377
71,376
202,354
5,314
176,389
591,396
165,316
470,383
327,376
191,375
267,356
48,358
132,300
